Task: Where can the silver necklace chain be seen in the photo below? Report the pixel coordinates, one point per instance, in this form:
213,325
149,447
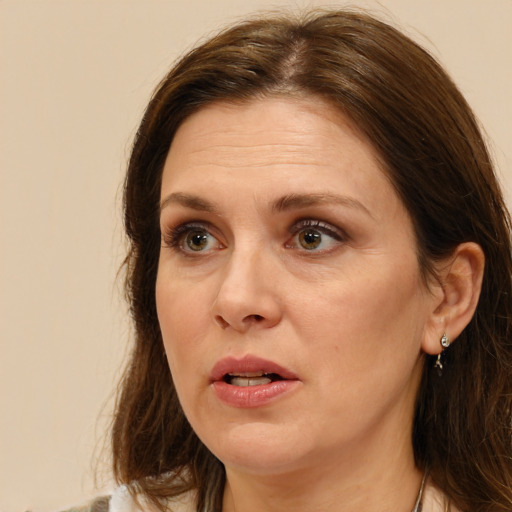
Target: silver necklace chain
418,505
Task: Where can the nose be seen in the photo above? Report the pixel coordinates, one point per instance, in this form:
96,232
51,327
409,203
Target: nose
248,294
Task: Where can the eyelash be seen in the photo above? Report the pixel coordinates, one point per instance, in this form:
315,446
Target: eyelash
173,237
325,228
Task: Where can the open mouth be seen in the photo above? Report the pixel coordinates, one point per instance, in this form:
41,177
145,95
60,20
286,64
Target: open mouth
244,379
251,381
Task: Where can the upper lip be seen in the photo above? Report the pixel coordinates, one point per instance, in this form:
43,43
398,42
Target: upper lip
248,364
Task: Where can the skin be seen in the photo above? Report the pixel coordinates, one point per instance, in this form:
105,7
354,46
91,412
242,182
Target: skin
350,317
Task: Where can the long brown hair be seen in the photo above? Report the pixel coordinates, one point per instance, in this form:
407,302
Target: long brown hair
430,145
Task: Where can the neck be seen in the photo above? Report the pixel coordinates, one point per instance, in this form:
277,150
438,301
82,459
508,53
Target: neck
362,484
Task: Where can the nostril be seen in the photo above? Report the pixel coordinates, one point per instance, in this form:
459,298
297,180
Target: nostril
221,322
258,318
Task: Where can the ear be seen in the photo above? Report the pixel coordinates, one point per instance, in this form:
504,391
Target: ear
455,296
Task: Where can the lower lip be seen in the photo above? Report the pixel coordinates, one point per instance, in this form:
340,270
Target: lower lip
253,396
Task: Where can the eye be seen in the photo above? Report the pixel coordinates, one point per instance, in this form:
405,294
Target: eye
310,239
189,238
197,240
315,236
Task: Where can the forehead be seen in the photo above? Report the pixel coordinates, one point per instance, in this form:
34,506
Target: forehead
275,145
269,131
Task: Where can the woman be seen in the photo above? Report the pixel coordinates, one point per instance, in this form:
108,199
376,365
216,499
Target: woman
320,255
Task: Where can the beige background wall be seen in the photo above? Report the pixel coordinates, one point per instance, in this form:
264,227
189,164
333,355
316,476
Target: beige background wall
74,78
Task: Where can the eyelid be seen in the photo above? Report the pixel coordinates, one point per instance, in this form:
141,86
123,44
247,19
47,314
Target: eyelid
335,237
172,235
320,225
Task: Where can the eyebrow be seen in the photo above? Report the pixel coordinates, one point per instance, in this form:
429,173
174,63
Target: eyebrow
188,201
298,201
284,203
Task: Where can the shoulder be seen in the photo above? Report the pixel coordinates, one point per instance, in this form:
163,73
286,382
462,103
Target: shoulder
100,504
122,501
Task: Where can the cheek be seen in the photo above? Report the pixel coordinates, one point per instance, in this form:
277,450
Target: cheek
176,317
368,343
178,304
184,318
368,316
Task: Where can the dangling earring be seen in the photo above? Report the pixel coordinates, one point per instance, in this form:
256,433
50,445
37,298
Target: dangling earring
438,365
445,343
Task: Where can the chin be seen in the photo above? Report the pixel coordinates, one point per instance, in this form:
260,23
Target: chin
258,448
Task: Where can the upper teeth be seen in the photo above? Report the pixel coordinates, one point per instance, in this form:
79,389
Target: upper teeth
249,379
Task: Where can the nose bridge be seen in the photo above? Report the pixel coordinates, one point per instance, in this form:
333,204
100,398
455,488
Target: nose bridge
247,293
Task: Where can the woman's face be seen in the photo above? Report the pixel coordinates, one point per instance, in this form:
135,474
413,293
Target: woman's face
289,295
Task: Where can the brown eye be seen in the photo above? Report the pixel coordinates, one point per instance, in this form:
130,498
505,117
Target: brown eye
197,240
190,239
315,236
310,239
